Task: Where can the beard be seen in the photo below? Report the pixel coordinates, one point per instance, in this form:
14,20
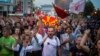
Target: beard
50,35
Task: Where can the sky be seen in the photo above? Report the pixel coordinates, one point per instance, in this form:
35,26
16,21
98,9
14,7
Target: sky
96,3
42,2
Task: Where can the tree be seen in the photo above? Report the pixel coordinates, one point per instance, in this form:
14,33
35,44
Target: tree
89,8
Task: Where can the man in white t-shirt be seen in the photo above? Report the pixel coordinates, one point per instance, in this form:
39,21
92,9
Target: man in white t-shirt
67,40
51,43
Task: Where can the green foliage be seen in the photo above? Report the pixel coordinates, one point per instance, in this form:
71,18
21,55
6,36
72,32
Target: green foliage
89,8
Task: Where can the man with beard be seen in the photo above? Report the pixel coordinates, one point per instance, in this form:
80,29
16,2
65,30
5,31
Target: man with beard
51,43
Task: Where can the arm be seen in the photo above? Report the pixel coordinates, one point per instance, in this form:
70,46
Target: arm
83,41
70,54
58,47
77,30
64,42
16,48
13,43
41,39
59,51
44,38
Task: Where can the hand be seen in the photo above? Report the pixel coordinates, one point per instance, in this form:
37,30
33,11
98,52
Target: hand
78,26
87,31
45,35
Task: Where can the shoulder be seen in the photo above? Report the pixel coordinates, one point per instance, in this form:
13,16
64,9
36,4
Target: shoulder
55,37
38,35
1,38
65,34
12,38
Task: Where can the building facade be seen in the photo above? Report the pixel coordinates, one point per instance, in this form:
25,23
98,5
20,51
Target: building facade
7,6
27,6
16,6
46,8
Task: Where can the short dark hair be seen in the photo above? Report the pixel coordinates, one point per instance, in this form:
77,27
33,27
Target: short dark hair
51,27
7,29
68,27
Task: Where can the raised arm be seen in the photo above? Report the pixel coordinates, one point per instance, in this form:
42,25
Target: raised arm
84,40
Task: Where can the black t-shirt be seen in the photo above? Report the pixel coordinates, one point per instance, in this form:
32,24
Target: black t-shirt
77,52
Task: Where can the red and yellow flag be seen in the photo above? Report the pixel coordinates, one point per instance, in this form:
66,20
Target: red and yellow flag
48,20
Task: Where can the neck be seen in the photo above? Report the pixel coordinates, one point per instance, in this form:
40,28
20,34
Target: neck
51,37
6,36
68,33
16,34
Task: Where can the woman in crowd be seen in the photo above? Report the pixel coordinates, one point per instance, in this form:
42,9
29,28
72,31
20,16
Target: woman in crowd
95,48
17,37
37,48
25,49
77,50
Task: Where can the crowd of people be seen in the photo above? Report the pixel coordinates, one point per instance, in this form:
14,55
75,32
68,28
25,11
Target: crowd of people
28,36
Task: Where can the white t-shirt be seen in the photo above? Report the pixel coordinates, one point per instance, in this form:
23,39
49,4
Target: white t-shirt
63,38
39,37
23,50
50,46
35,44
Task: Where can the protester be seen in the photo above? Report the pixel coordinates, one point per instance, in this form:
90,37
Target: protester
17,36
37,48
25,49
76,50
6,43
94,50
29,36
51,43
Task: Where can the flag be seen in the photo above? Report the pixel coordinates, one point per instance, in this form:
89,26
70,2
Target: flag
60,12
77,6
49,20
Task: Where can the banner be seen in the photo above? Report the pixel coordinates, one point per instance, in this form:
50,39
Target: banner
77,6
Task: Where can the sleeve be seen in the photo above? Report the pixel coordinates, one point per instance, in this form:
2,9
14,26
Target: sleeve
40,38
16,48
58,42
77,31
13,41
